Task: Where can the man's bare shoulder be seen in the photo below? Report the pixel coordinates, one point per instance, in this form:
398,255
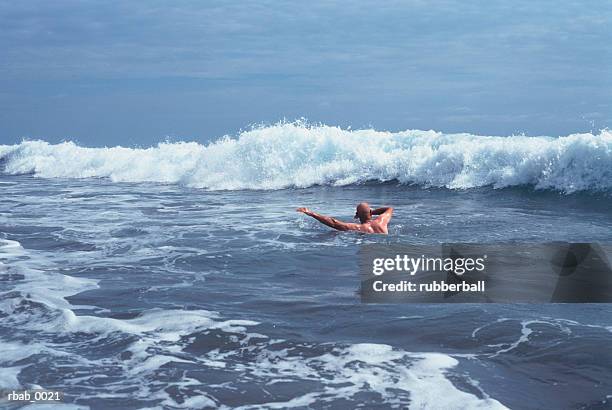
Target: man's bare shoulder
379,225
367,227
385,217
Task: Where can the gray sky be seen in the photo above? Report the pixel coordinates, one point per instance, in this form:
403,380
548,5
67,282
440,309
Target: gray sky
132,73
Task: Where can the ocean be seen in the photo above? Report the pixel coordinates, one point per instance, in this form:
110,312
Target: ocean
180,275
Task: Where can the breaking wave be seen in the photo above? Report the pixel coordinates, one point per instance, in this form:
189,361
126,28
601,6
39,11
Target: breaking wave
296,155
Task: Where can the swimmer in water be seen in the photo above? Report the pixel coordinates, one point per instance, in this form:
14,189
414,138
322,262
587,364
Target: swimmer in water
364,214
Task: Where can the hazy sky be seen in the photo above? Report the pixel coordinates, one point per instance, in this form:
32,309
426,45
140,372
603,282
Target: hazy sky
132,73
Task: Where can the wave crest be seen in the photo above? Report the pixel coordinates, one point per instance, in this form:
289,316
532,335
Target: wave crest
295,155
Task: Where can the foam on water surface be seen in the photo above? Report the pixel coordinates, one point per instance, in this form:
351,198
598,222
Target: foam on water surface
123,306
160,338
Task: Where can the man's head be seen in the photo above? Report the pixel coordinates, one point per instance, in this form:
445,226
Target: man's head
364,213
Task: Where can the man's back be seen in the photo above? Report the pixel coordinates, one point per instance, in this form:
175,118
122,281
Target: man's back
378,225
364,213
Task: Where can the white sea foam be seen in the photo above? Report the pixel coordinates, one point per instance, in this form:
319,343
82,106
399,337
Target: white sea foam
379,368
36,304
295,155
526,332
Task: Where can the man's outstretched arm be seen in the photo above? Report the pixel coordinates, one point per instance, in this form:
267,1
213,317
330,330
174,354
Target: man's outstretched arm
327,220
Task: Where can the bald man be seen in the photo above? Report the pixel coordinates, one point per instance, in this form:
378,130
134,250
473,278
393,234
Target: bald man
364,213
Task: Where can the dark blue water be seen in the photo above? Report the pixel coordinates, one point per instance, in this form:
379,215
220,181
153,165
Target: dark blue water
128,295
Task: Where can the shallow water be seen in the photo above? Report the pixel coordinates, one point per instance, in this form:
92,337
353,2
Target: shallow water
133,295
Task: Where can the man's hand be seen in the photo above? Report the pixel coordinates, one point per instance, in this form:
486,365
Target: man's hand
304,210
